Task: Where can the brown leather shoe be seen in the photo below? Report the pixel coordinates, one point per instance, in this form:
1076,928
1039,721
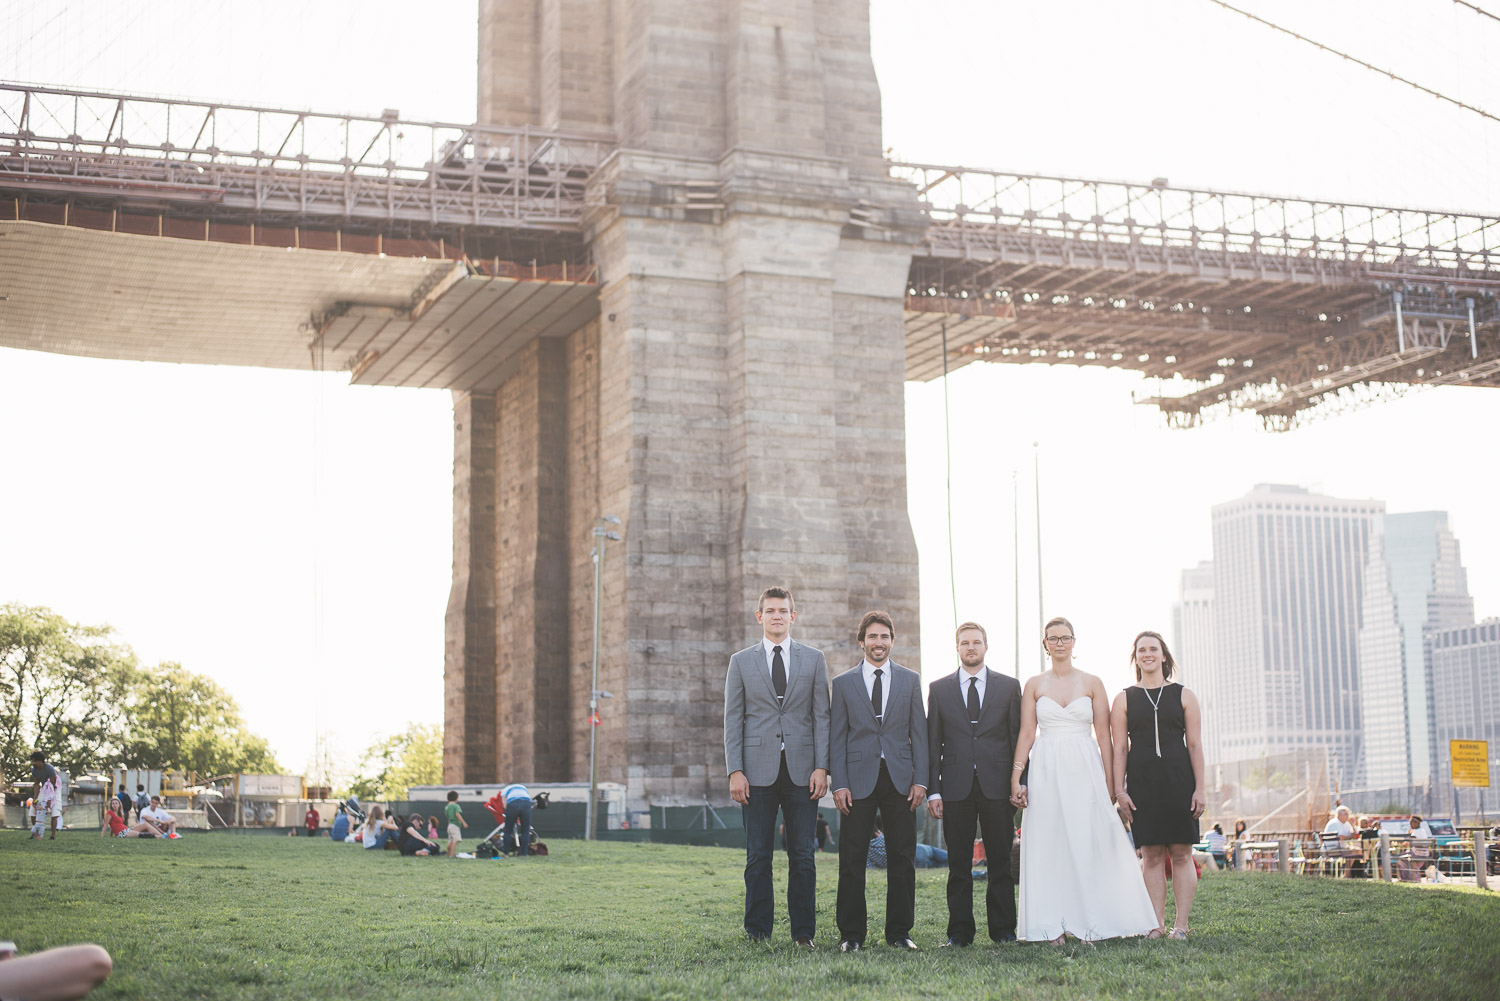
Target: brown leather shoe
804,943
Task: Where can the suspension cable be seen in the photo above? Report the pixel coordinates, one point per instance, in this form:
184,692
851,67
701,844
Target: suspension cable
1477,9
1360,62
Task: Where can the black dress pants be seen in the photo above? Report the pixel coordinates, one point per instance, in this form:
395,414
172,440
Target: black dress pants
900,826
996,818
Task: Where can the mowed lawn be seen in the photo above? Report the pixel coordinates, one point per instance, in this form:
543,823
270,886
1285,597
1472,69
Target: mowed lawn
253,916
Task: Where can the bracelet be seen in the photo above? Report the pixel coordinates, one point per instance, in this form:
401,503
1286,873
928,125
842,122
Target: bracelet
1018,768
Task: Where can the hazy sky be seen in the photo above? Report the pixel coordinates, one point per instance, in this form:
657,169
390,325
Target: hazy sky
289,535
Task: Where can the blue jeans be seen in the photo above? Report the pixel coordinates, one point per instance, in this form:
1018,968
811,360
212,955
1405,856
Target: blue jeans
800,813
380,840
518,824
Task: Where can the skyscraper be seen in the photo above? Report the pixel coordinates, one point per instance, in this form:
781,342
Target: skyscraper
1288,581
1193,646
1414,584
1466,697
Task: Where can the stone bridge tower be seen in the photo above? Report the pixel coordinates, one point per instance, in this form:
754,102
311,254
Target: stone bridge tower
738,401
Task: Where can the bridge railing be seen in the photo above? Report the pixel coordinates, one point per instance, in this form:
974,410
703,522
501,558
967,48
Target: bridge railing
982,208
300,162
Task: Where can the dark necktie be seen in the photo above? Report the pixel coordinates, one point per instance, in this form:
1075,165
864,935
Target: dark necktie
973,700
876,696
778,673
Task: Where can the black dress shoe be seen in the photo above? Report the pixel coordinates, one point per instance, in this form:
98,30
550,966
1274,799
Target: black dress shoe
904,943
1007,937
955,943
804,943
758,938
849,945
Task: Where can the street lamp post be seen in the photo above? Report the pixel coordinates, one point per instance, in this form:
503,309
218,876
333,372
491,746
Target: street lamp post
601,535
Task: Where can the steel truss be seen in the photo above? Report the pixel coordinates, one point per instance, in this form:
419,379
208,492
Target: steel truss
293,167
1271,305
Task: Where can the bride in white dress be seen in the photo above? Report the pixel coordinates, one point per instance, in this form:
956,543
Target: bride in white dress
1079,874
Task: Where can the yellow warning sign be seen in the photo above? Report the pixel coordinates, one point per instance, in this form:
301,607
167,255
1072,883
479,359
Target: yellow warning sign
1471,763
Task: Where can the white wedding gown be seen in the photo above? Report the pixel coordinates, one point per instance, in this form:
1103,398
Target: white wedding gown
1079,873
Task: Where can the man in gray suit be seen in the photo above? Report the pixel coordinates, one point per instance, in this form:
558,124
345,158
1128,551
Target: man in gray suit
878,757
776,754
973,718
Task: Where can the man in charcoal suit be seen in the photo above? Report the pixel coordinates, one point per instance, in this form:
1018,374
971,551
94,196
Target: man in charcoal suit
973,717
878,763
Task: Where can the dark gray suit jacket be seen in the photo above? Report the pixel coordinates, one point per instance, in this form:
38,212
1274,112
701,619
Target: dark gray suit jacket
958,750
756,725
858,740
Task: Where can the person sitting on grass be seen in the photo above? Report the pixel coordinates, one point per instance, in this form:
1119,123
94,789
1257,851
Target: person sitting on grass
432,826
414,840
53,974
114,826
378,829
160,818
340,829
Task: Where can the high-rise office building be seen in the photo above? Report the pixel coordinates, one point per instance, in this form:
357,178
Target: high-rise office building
1288,583
1414,584
1193,646
1466,698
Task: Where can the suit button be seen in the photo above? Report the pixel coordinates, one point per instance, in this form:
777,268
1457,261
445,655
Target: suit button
778,736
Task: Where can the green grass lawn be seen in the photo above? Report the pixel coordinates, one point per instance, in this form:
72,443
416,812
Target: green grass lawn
244,916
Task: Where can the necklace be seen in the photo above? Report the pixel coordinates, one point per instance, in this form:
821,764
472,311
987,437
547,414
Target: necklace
1155,718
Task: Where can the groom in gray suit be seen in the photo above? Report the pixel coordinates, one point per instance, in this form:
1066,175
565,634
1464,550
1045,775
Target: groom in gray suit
776,754
878,761
973,719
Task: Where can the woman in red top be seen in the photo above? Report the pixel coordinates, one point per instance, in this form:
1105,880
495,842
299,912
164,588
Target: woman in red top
115,827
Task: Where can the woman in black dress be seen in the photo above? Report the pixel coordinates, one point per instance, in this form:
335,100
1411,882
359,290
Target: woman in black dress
1159,775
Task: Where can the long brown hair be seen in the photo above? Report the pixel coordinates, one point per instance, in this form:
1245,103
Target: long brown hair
1167,663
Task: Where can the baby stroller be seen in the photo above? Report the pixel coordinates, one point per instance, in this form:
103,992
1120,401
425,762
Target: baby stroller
494,844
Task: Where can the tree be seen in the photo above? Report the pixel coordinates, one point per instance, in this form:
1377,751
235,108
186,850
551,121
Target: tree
62,690
395,764
179,719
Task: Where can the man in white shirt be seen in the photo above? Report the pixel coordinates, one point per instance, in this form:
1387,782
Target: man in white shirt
160,818
877,757
973,718
776,757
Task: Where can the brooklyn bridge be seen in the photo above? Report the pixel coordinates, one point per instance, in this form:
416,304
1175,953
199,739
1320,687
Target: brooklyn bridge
693,308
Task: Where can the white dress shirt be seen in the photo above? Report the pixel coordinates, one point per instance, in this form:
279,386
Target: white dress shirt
868,672
786,662
786,656
963,683
963,696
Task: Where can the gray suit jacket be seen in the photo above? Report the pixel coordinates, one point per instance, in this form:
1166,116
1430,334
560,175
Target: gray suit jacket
756,725
959,751
858,739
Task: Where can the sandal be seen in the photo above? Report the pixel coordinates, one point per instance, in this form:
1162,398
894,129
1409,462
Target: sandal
1178,933
1156,933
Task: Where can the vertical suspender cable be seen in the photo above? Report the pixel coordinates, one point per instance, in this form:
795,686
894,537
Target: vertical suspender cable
948,475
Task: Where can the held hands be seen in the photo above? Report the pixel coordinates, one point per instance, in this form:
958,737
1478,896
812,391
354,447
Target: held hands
843,799
1018,796
1125,806
915,797
739,788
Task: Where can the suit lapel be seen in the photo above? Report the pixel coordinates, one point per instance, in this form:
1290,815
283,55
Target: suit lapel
765,671
992,695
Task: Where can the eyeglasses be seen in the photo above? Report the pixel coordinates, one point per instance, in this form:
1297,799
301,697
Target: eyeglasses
1058,639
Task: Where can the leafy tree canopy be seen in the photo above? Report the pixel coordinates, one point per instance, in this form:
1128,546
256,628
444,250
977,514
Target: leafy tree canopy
413,757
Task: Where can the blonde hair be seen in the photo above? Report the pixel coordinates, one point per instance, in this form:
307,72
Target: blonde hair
971,625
